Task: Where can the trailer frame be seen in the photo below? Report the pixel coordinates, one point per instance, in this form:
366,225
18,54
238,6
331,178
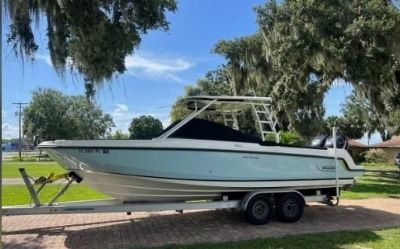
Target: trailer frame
114,205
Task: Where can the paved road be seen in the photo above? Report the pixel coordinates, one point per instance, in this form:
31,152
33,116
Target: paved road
12,181
7,155
162,228
20,181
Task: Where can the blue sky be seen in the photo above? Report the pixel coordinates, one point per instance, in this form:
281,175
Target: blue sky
157,72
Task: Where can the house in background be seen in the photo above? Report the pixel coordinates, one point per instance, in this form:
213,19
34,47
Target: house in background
390,147
356,150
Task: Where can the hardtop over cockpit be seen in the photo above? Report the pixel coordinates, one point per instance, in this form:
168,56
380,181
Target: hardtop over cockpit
228,108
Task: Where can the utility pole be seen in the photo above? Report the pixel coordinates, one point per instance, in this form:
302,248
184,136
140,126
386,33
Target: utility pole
19,126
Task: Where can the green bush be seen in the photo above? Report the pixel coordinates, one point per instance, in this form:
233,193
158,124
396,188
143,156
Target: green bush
375,156
287,137
359,158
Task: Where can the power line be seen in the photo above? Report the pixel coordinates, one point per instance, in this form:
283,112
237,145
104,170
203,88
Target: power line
19,126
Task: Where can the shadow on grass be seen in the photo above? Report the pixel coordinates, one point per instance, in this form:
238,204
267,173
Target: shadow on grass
382,180
209,227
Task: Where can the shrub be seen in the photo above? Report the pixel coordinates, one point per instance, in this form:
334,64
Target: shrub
288,137
375,156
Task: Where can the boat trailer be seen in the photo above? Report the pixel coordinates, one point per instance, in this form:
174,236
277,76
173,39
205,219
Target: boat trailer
113,205
257,205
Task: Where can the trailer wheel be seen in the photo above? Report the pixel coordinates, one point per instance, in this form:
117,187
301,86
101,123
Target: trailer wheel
289,207
259,210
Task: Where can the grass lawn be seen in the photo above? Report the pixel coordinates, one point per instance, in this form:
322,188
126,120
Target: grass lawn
35,169
366,239
19,195
380,166
375,185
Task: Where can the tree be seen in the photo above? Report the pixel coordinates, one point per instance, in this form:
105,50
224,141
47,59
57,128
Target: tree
88,121
250,73
246,67
359,44
93,36
144,127
333,121
345,126
303,46
51,115
46,116
214,83
309,122
392,124
361,117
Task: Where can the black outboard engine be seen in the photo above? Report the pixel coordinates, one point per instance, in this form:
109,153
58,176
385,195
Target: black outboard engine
326,141
341,142
319,141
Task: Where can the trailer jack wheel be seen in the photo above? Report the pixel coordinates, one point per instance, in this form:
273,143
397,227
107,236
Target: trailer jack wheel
259,210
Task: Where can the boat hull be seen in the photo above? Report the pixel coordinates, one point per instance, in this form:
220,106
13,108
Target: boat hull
179,173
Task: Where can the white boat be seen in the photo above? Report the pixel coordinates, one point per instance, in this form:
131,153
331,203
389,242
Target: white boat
195,159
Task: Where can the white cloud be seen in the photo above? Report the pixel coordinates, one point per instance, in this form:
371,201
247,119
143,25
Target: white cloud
9,130
44,57
148,65
121,117
166,122
121,110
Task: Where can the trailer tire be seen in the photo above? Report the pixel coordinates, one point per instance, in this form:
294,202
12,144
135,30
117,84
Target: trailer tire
289,207
259,210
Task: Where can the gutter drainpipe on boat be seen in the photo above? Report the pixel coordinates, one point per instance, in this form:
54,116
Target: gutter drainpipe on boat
334,131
